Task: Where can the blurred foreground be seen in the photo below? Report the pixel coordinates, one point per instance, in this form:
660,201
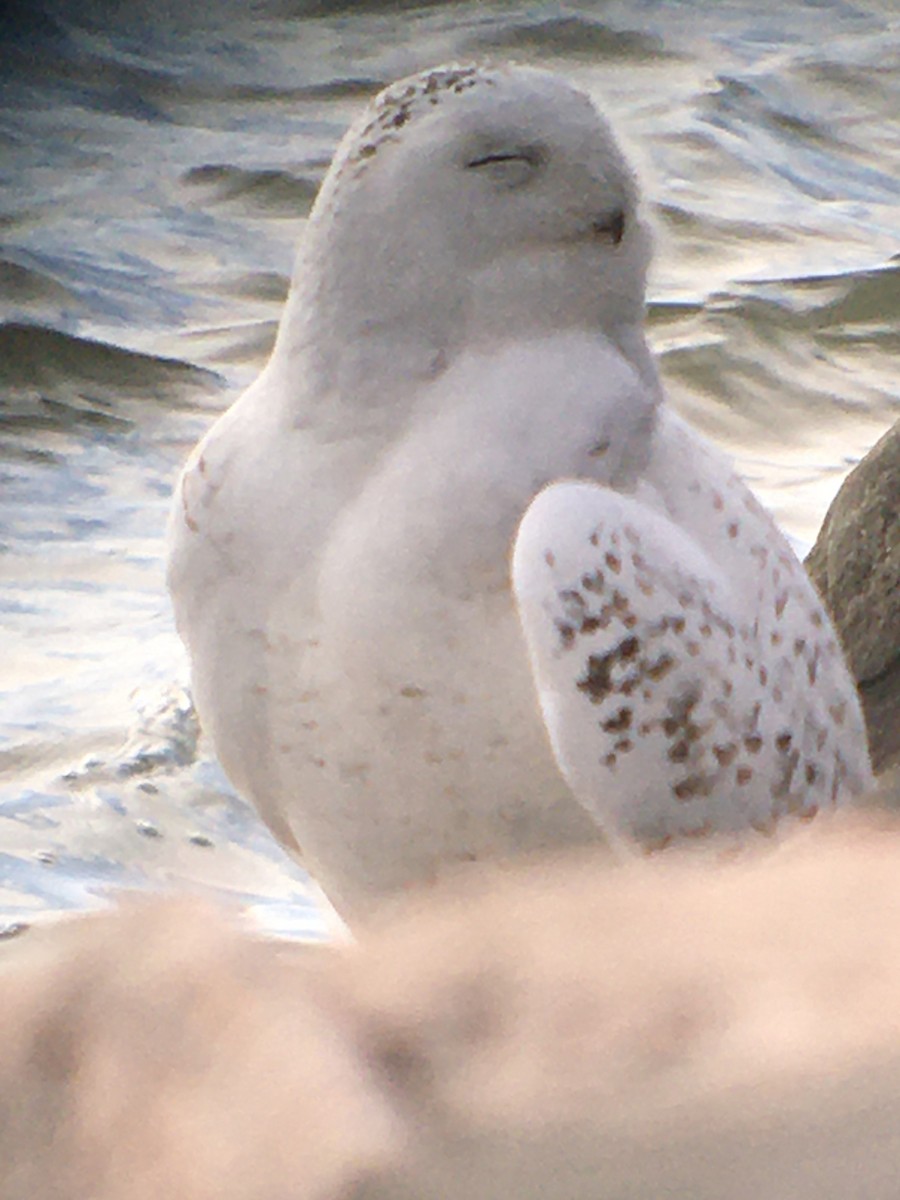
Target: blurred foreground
678,1027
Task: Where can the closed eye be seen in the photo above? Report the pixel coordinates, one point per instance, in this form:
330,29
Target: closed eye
507,169
490,159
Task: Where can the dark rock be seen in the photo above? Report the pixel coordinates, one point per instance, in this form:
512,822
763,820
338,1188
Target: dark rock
855,564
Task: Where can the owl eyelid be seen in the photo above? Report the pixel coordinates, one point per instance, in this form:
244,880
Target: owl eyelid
513,156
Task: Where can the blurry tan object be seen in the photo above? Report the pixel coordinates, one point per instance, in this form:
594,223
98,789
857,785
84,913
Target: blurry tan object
159,1053
674,1029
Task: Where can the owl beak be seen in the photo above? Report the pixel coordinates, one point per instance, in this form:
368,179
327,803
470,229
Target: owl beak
610,228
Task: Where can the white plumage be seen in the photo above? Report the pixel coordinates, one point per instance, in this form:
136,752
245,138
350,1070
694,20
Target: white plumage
461,351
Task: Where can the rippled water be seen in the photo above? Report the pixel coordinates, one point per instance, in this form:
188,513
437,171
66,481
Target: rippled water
156,164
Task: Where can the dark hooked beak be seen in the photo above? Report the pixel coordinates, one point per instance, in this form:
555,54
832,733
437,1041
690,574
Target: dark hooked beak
610,228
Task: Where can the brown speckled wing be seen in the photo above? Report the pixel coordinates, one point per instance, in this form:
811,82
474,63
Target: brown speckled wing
672,710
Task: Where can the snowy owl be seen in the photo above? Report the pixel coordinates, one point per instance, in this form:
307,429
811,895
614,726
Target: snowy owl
455,582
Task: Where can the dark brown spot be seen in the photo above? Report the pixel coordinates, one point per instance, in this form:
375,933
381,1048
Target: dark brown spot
835,785
593,583
572,599
764,826
660,668
624,745
597,681
725,754
799,645
566,634
592,624
837,712
811,773
780,603
660,842
438,365
694,785
618,722
700,831
743,775
763,676
678,724
594,539
753,743
732,529
599,448
783,743
613,562
717,502
693,649
679,751
775,638
816,619
628,648
789,764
